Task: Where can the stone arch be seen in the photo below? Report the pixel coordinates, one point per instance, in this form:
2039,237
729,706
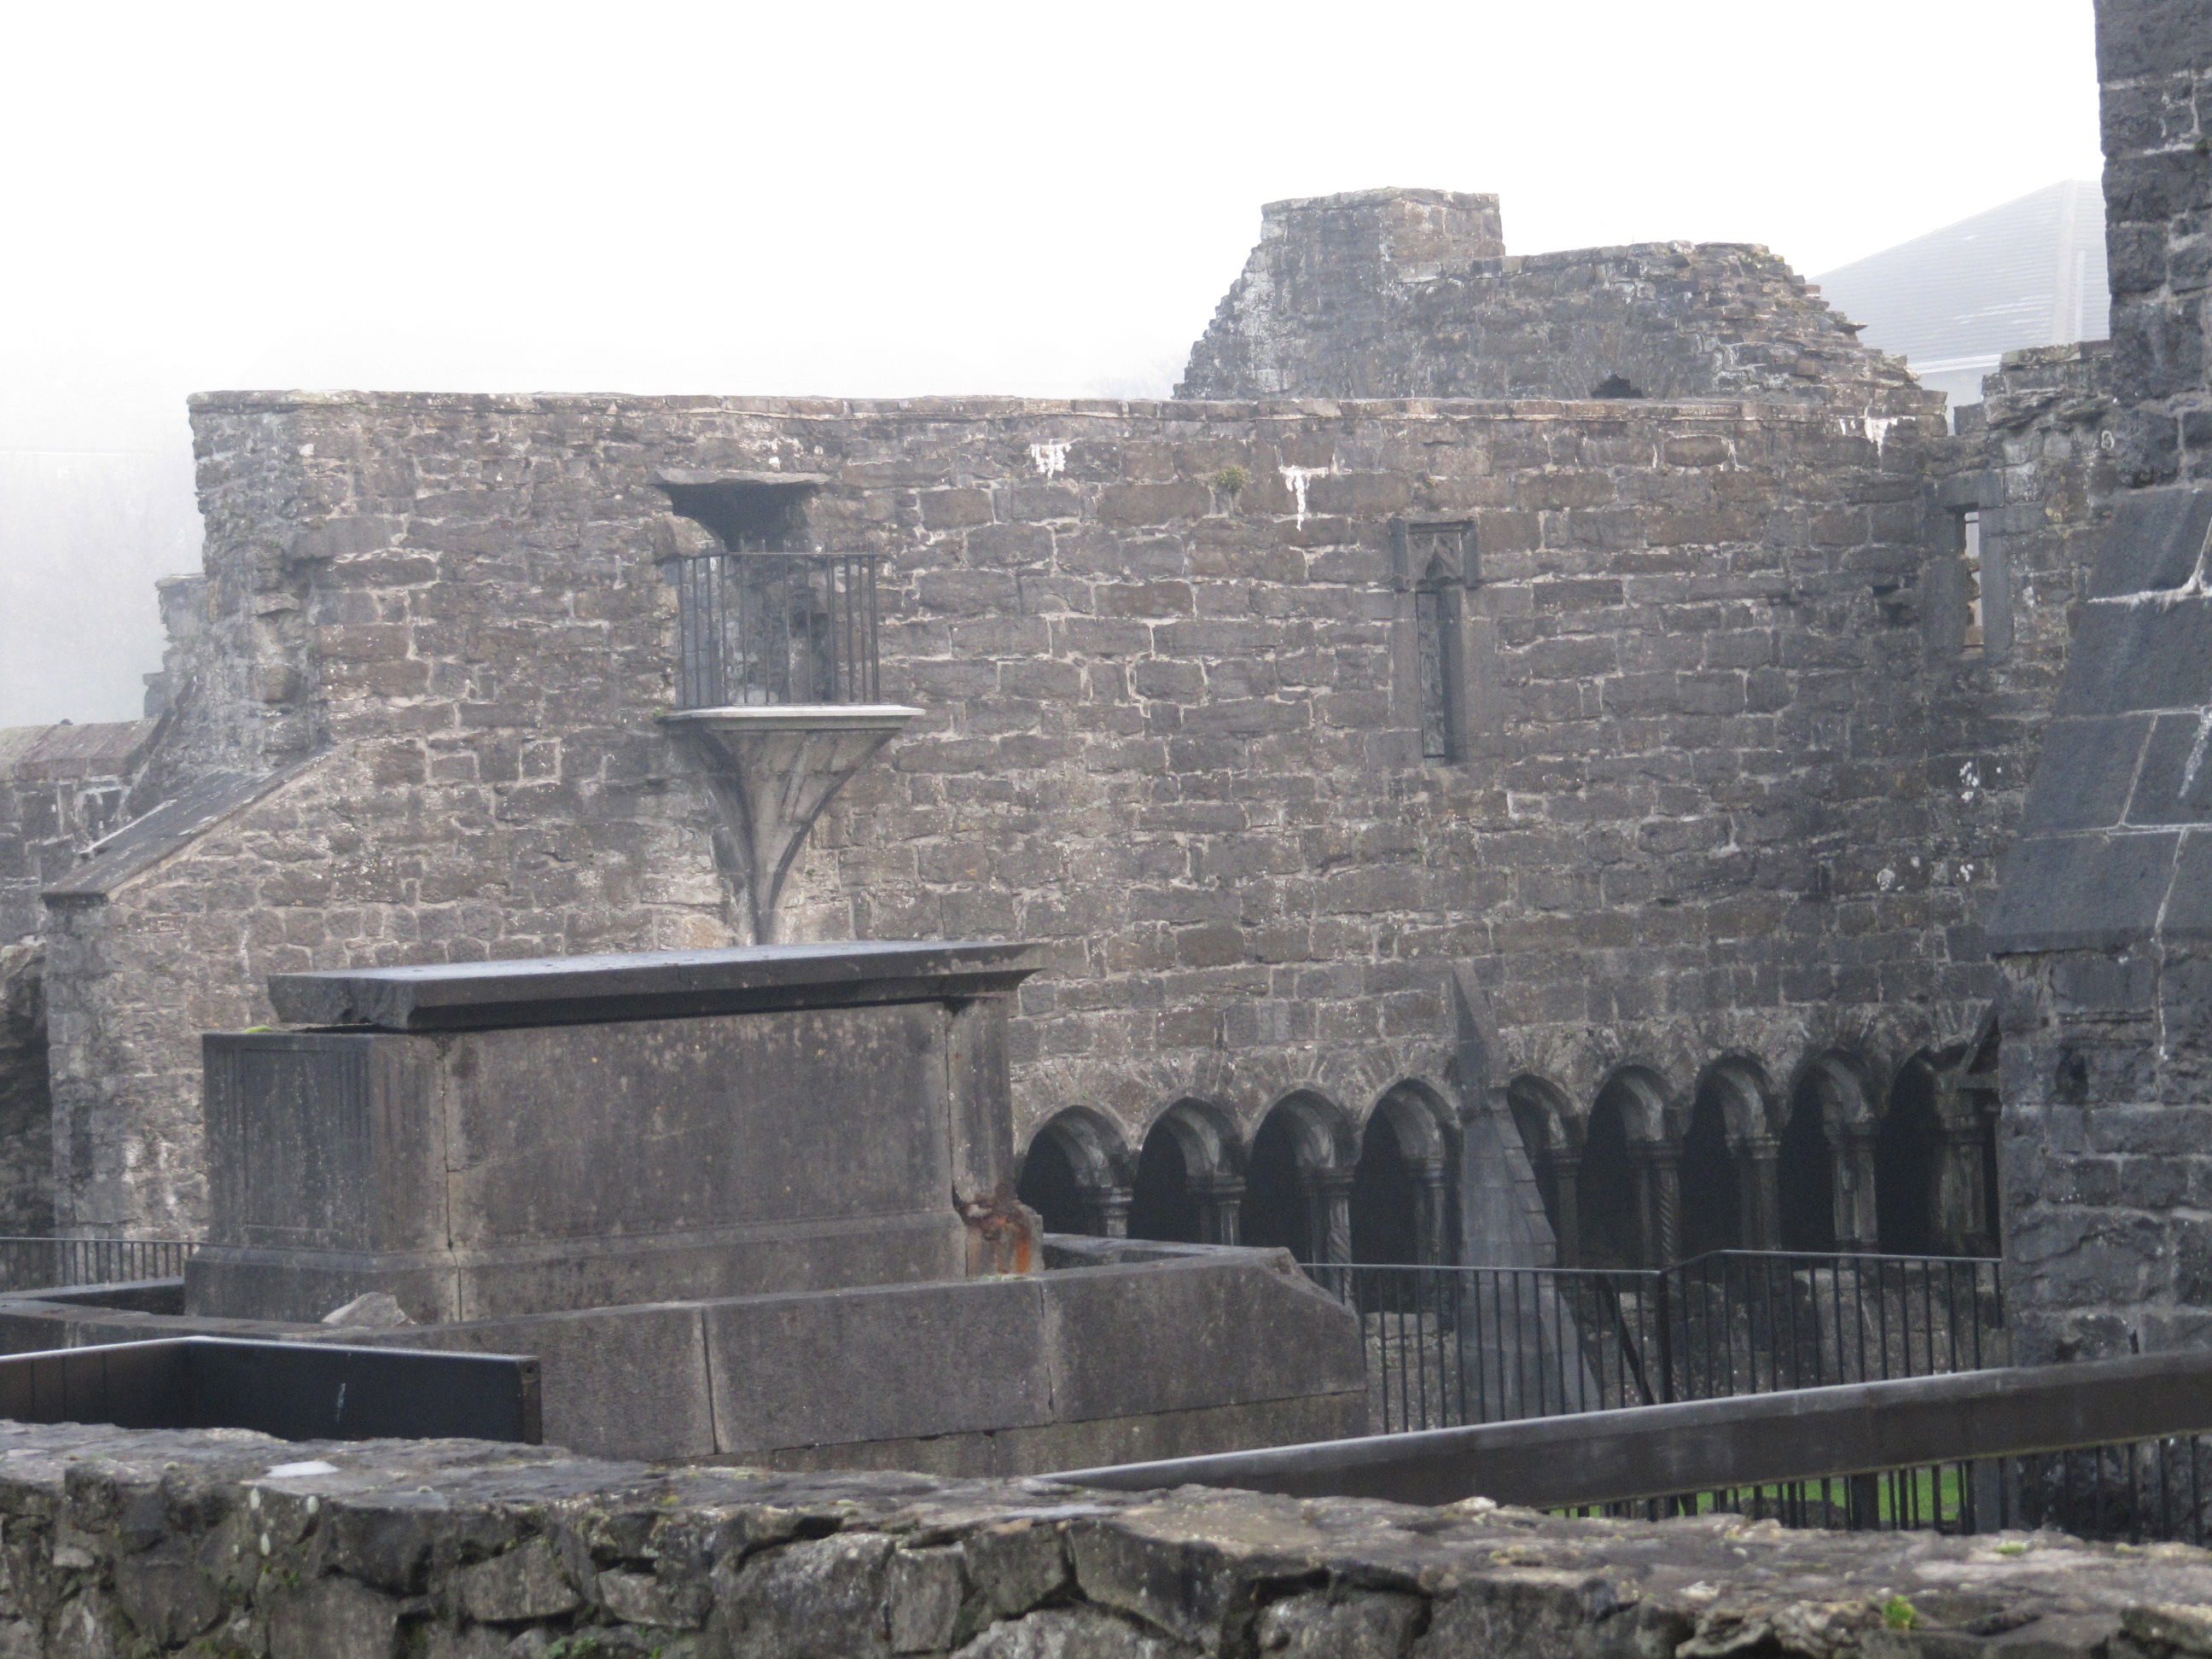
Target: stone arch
1188,1177
1626,1184
1908,1157
1077,1173
1728,1160
1824,1184
1298,1179
1403,1194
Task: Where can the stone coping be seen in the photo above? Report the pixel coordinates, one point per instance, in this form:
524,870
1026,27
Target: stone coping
1016,409
230,1542
651,984
775,717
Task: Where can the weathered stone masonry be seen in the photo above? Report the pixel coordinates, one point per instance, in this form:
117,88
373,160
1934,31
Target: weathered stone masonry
1165,654
2104,913
138,1544
1606,779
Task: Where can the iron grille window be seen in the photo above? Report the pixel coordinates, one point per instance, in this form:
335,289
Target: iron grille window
765,624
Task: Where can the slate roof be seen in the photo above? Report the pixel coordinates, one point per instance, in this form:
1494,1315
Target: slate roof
2029,273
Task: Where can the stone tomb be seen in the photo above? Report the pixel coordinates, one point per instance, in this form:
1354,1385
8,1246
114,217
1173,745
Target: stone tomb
744,1204
487,1140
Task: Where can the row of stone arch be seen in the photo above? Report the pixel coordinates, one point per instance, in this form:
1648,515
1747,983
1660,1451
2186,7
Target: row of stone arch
1312,1178
1839,1160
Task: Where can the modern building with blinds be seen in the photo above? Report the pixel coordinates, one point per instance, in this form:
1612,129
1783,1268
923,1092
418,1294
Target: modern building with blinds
2030,273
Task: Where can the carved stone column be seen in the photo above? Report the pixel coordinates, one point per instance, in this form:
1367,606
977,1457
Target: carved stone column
1758,1191
1432,1224
1566,1189
1109,1210
1220,1202
1329,1214
1659,1172
1856,1228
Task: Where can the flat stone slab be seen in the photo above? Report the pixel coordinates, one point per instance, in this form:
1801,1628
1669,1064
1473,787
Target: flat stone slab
229,1541
652,985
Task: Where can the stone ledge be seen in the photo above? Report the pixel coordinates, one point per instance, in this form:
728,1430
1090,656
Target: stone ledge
221,1541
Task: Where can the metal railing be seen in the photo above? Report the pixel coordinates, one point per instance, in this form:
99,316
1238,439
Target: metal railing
2119,1449
769,624
2152,1490
29,1264
1447,1346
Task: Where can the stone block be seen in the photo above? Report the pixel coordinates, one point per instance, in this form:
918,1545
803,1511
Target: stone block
878,1363
2155,542
2082,891
621,1382
1131,1341
2086,774
513,1166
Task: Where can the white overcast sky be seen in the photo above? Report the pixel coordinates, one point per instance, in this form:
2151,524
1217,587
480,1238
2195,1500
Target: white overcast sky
878,199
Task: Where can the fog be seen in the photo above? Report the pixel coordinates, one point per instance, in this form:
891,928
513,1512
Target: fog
864,200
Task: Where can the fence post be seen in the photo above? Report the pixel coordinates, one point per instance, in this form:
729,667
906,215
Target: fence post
1663,1311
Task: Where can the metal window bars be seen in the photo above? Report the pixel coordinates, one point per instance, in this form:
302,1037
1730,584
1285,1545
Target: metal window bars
765,624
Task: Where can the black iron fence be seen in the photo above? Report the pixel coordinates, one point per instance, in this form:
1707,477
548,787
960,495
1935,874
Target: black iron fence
28,1264
1449,1346
770,625
2136,1491
2119,1449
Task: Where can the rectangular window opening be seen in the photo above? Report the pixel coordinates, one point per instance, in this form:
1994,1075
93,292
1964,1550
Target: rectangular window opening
1972,637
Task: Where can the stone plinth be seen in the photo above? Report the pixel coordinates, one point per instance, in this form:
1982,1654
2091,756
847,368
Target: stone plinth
490,1140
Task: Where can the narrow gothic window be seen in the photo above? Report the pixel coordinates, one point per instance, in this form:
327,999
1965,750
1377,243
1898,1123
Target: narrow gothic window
1435,561
1431,616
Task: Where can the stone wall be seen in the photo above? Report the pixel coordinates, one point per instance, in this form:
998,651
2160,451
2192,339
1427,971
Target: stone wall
61,787
132,1544
26,1142
2157,75
1399,294
1166,655
2104,913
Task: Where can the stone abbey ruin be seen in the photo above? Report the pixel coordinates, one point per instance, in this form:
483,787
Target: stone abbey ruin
1512,767
829,930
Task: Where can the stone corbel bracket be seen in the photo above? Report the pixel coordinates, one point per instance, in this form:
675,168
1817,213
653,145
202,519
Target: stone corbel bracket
773,768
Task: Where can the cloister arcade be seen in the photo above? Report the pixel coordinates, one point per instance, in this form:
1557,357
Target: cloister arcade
1312,1178
1830,1163
1641,1176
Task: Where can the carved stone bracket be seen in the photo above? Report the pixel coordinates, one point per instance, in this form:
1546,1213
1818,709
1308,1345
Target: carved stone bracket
774,768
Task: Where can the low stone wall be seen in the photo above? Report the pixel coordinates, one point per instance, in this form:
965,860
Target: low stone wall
1180,1352
220,1542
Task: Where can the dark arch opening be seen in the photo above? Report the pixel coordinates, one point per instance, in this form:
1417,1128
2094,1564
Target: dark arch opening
1805,1174
1612,1236
1385,1201
1616,386
1275,1208
1712,1196
1534,1126
1161,1203
1050,1185
1908,1152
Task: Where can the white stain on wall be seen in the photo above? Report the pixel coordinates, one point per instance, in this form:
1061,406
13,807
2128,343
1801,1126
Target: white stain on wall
1298,477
